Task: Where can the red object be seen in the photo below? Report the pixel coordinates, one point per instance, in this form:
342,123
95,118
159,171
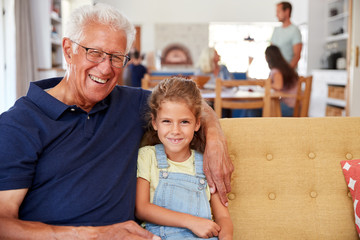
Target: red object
351,171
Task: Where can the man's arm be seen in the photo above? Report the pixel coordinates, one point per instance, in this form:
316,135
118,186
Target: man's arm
297,54
217,164
13,228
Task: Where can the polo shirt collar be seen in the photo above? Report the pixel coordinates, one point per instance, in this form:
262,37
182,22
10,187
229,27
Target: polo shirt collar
50,105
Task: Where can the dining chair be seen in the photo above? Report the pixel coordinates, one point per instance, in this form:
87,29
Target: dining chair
302,98
149,81
263,102
302,103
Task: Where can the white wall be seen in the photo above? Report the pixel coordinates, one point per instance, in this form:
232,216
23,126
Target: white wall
8,53
147,13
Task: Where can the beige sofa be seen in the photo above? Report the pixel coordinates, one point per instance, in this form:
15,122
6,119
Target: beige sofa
288,181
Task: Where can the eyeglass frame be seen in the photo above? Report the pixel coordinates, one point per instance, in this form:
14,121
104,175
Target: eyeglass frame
126,57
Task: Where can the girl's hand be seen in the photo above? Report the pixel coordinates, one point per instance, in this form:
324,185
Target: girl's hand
204,228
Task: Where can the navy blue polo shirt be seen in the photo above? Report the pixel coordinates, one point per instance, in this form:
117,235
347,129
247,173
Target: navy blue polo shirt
79,167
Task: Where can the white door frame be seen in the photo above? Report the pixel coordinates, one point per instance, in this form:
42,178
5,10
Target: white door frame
354,68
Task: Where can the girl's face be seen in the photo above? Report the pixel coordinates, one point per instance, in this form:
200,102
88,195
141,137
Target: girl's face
176,124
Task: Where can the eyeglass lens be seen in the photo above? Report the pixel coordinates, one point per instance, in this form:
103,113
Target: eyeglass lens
117,61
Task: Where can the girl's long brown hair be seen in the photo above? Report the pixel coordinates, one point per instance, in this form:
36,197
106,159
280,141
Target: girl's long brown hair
276,60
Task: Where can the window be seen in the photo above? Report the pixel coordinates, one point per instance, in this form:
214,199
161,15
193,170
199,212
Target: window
238,43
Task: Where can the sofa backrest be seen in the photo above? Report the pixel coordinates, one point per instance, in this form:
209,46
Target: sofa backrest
288,182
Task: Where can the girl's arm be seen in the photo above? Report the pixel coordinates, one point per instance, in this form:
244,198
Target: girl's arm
149,212
222,217
278,81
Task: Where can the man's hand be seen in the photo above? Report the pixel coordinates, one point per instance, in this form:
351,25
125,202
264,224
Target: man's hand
119,231
217,164
13,228
218,168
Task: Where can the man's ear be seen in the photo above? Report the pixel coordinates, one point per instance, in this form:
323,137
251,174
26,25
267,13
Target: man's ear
67,49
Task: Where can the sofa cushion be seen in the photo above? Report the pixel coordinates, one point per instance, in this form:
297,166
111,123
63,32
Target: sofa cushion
288,183
351,170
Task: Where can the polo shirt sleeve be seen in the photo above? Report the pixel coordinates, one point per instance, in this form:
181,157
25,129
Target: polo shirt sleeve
17,158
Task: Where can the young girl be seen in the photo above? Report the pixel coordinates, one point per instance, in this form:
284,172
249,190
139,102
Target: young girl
284,78
172,193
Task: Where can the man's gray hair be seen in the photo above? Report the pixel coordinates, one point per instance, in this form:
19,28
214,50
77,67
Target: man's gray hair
98,13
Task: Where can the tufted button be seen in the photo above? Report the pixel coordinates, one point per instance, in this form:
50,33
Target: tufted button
349,156
232,157
231,196
349,194
202,181
312,155
272,196
313,194
269,156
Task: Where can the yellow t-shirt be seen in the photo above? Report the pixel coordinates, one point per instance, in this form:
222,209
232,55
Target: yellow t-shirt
148,170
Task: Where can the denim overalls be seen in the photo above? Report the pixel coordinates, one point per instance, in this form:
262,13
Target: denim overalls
182,193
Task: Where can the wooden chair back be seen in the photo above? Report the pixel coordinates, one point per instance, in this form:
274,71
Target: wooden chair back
302,103
249,103
149,81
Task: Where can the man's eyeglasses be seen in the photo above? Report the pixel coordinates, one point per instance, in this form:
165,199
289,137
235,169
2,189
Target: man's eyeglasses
97,56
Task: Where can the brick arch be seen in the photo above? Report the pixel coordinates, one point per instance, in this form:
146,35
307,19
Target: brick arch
176,54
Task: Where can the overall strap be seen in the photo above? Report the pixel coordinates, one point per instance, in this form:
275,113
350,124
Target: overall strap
161,156
199,164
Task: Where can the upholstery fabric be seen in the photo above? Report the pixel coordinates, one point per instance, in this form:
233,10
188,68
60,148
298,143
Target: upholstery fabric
288,181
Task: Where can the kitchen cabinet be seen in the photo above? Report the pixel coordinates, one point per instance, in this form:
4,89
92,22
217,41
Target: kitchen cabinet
329,95
337,19
324,101
323,30
336,40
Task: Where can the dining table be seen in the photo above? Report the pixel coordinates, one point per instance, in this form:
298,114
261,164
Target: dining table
246,93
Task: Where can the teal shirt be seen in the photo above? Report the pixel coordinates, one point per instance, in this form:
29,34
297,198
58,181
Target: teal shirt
285,39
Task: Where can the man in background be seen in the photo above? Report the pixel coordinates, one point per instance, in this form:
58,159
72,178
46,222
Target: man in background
287,37
137,69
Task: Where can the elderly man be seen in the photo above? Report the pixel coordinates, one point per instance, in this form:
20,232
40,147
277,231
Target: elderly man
288,36
68,149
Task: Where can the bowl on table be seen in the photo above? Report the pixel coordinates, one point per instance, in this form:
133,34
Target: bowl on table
201,80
